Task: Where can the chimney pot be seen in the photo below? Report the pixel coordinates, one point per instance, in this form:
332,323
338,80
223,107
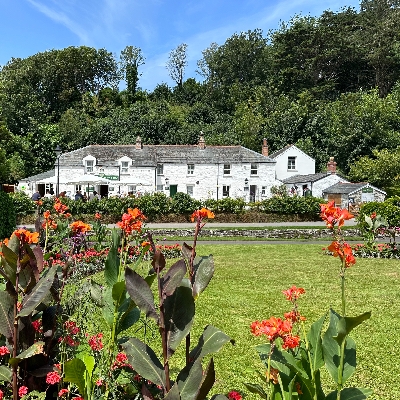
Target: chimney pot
331,166
202,143
264,150
138,145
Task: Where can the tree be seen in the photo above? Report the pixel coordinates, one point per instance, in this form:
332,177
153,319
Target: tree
131,59
177,62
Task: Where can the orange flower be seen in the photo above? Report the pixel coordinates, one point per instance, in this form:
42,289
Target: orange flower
26,236
334,215
293,293
46,214
97,215
132,221
344,251
200,214
60,207
79,227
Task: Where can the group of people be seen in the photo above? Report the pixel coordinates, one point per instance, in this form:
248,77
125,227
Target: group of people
78,195
83,197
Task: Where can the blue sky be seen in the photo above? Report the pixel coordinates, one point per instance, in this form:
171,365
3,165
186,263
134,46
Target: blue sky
156,26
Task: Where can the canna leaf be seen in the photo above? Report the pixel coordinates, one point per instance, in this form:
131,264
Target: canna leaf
6,314
208,381
5,374
111,268
189,381
204,267
173,278
315,340
36,348
347,324
173,394
350,394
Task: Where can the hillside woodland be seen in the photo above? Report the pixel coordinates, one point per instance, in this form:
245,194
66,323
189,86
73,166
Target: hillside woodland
328,84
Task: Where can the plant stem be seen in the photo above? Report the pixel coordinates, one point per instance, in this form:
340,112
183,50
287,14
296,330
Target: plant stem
310,360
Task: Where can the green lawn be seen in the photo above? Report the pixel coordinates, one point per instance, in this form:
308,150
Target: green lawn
247,285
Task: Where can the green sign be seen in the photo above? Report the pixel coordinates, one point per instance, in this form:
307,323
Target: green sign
109,177
367,190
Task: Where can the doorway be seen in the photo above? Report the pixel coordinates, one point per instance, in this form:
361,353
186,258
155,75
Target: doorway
173,189
253,192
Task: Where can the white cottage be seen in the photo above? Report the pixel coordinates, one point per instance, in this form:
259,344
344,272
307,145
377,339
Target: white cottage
198,170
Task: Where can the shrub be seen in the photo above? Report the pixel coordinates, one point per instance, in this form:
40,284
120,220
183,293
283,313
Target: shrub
389,209
23,205
7,215
226,205
182,203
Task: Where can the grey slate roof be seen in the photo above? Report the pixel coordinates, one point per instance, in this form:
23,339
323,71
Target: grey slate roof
276,153
345,188
39,177
305,178
150,155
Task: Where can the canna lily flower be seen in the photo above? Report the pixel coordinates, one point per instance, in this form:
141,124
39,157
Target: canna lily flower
200,214
293,293
334,215
79,227
343,251
26,236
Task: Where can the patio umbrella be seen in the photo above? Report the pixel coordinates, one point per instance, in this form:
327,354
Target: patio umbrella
88,180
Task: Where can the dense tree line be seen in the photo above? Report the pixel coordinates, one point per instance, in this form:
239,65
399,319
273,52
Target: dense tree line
329,84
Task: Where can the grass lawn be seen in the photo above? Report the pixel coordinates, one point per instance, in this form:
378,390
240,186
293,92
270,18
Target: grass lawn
248,284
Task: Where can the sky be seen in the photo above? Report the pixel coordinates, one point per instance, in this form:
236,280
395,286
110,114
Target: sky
155,26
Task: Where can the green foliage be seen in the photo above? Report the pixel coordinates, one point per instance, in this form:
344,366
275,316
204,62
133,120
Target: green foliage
7,215
389,210
183,204
227,205
23,205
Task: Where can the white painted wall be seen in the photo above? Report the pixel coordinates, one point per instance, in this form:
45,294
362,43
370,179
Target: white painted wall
319,186
304,163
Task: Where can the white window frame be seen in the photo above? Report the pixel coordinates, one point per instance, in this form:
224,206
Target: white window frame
160,169
132,188
190,190
263,190
160,188
227,169
291,165
89,166
253,169
226,190
125,167
190,169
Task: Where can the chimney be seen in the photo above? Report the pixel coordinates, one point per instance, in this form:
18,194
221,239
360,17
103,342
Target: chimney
264,150
138,145
202,143
331,166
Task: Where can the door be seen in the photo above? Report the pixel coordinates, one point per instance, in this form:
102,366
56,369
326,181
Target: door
103,191
253,192
172,190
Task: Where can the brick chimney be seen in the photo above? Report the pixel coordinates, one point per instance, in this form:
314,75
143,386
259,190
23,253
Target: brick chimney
138,145
202,143
264,150
331,166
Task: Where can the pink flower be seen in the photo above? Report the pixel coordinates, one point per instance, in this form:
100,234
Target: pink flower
95,342
1,395
234,395
22,391
53,377
62,392
4,350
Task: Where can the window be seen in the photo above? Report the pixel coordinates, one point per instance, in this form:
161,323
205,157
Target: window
225,191
78,187
263,190
190,169
254,169
124,167
160,188
189,190
160,169
132,189
291,163
89,164
227,169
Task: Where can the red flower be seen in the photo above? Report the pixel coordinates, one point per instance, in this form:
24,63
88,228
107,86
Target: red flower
37,325
373,215
293,293
99,382
272,328
4,350
334,215
344,251
97,216
22,391
1,395
71,327
62,392
234,395
121,361
53,377
200,214
132,221
95,342
290,342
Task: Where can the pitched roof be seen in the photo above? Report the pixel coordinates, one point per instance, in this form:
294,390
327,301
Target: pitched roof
347,188
150,155
305,178
38,177
278,152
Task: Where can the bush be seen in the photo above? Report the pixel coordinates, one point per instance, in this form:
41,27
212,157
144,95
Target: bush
182,203
7,216
226,205
389,209
23,205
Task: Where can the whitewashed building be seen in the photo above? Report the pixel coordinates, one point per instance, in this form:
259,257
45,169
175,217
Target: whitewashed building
199,170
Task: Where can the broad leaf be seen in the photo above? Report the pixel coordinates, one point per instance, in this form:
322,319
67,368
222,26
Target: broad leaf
173,394
25,277
144,361
140,293
40,291
6,315
208,381
158,262
219,397
189,382
187,251
179,314
108,306
257,389
96,292
211,341
350,394
36,348
315,341
74,372
127,319
173,278
5,374
111,269
118,292
9,263
204,267
347,324
146,393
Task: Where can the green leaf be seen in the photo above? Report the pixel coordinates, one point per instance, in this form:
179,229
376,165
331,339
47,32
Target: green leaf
111,269
5,374
144,361
173,394
189,382
116,237
256,388
187,251
204,267
9,264
315,341
219,397
208,381
108,306
173,278
118,293
36,348
39,292
128,319
74,371
347,324
96,292
6,314
350,394
211,341
179,311
140,293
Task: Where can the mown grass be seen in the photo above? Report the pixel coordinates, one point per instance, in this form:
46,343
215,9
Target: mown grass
248,284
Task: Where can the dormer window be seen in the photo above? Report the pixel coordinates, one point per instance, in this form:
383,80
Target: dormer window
123,164
124,167
89,166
